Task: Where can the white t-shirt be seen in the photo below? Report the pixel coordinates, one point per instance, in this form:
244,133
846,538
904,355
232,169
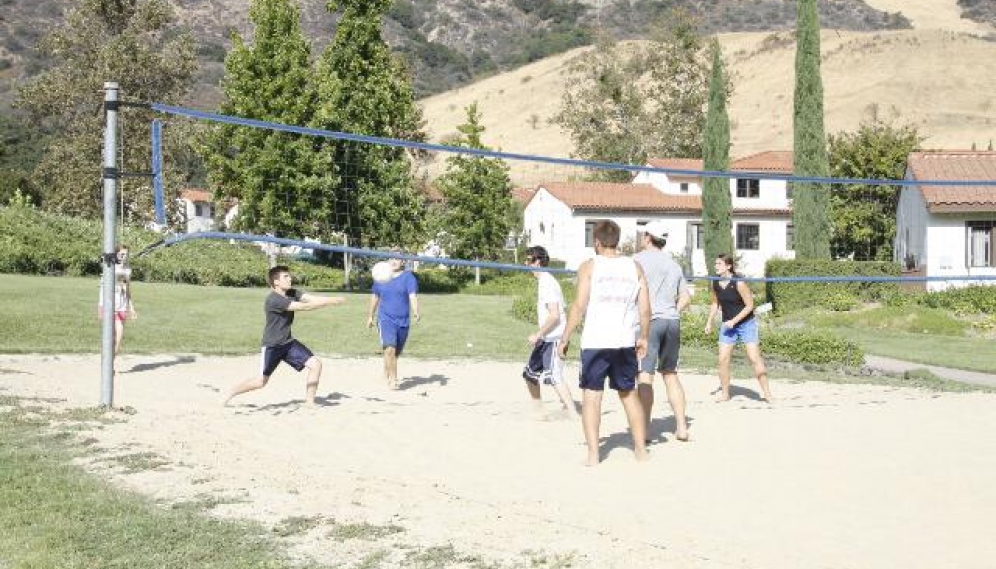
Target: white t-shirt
613,317
549,291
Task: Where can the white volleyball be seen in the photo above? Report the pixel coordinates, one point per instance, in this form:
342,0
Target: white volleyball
382,272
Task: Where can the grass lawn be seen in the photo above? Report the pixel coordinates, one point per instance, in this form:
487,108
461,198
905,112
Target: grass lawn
54,515
58,315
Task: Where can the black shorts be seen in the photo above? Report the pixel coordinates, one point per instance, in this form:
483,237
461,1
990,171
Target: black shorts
620,365
294,353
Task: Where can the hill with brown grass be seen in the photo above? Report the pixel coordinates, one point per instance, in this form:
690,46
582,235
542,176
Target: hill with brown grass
940,75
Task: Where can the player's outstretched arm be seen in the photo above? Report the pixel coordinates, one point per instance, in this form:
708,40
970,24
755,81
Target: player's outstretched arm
313,301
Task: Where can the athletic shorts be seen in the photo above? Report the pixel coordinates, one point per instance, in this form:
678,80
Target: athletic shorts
620,365
744,332
392,335
294,353
544,365
663,344
119,315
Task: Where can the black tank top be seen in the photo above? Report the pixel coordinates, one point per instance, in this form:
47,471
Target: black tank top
730,301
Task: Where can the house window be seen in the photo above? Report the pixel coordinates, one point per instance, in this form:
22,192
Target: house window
788,191
589,234
748,188
641,226
202,209
696,236
790,237
683,187
980,244
748,236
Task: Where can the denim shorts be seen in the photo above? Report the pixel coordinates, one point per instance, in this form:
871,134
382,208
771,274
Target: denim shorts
744,332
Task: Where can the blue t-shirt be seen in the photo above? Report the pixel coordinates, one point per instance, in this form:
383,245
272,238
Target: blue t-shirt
393,297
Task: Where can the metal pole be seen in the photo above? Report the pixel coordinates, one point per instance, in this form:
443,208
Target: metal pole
110,177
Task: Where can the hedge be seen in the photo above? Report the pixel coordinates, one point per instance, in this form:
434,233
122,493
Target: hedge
39,243
788,297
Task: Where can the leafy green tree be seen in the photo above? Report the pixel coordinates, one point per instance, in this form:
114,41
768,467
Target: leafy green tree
717,226
283,185
133,43
864,217
626,103
363,89
478,196
811,201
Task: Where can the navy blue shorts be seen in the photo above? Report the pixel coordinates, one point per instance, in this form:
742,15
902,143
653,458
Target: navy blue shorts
545,365
294,353
620,365
392,335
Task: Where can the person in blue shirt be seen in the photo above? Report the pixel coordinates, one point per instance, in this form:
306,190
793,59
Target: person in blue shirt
394,303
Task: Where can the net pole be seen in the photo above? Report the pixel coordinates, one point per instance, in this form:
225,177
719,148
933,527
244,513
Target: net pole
110,178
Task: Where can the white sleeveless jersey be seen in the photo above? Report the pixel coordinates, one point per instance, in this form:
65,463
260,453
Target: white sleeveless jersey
613,316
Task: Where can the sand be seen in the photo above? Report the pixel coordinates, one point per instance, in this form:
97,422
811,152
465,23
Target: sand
831,476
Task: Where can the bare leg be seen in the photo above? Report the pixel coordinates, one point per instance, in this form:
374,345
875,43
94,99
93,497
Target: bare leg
637,423
725,351
591,418
391,366
118,335
645,389
564,392
534,395
243,386
676,397
757,362
314,366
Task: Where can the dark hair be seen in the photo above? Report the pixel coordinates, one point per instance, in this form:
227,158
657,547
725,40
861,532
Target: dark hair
538,253
657,241
729,260
606,232
272,274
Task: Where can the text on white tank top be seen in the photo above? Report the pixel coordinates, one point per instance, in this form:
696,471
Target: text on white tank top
612,318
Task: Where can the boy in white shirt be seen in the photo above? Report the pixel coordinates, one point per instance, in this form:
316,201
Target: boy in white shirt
545,364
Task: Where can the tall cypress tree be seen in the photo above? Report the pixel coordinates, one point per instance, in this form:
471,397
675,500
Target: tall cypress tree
811,202
279,180
716,201
364,89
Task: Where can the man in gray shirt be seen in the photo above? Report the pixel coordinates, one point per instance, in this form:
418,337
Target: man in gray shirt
278,343
668,297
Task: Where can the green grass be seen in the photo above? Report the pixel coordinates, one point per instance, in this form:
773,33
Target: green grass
919,334
58,315
55,515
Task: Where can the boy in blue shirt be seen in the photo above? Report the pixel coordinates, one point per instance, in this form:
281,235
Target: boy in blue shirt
394,302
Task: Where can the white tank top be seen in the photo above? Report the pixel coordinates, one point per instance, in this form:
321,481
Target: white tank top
613,317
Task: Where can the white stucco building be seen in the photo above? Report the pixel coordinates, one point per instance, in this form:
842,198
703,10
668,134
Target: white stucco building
561,215
197,208
948,230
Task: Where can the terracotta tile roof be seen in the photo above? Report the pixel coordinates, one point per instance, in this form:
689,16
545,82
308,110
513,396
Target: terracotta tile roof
195,195
621,197
769,161
955,165
676,163
523,195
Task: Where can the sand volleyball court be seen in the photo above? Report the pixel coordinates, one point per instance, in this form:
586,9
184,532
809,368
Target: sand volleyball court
831,476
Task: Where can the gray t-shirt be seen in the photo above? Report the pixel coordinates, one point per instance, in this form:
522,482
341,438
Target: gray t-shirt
665,282
277,330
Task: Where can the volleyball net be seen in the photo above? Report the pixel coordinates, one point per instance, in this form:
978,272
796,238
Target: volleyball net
305,189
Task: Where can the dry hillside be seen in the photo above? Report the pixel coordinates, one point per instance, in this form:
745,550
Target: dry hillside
940,75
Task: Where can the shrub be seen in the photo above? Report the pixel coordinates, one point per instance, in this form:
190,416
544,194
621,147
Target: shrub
34,242
802,346
787,297
963,300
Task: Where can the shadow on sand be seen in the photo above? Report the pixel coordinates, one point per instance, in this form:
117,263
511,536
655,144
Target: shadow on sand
178,360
